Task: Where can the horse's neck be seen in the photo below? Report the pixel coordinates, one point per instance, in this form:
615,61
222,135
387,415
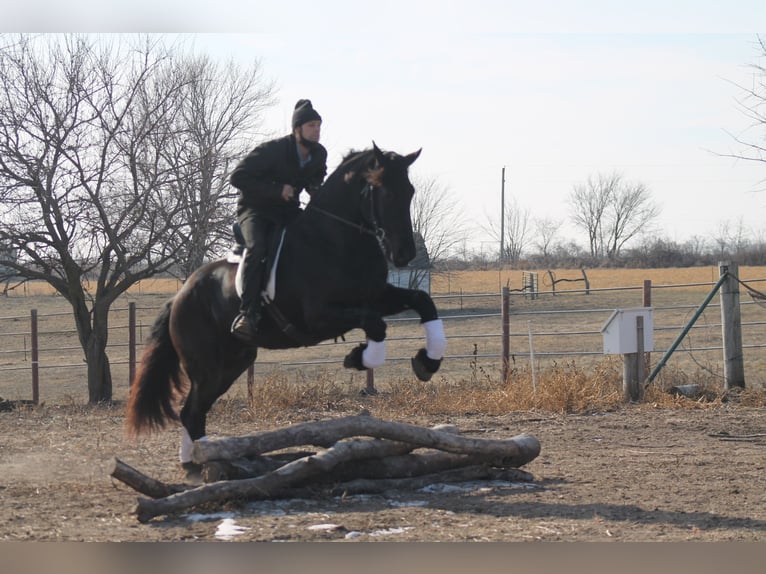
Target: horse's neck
335,220
343,206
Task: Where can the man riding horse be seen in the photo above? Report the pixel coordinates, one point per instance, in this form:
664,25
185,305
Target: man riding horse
270,179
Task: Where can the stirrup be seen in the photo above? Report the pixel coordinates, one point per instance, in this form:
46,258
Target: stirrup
243,327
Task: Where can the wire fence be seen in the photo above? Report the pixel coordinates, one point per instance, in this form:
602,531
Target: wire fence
543,330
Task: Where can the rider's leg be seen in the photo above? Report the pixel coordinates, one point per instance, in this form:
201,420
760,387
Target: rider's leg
256,231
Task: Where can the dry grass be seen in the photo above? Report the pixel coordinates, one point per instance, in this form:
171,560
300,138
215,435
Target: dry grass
564,389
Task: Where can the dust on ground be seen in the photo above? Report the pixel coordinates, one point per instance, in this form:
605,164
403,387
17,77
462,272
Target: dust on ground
636,474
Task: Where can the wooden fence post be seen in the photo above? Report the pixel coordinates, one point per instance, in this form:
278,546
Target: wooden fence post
131,342
731,326
506,342
647,302
370,389
633,371
585,278
35,359
250,383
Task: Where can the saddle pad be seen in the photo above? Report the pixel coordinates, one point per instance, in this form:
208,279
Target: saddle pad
271,285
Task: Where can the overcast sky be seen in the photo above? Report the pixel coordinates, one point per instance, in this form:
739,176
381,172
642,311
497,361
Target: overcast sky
555,92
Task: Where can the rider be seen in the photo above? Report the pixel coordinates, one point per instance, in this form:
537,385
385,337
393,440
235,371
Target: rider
270,179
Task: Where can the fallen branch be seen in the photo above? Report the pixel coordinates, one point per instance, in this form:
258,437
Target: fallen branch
517,451
142,483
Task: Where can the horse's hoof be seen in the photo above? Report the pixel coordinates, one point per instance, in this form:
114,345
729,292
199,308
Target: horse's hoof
193,472
423,366
354,359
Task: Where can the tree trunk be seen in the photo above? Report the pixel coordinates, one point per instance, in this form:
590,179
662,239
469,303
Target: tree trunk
99,372
93,333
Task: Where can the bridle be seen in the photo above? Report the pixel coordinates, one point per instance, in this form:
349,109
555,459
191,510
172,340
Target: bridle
372,226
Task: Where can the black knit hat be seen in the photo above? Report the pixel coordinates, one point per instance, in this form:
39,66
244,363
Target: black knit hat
304,112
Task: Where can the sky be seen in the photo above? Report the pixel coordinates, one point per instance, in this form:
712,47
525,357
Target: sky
554,93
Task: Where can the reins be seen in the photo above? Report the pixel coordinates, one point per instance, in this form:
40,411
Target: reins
376,230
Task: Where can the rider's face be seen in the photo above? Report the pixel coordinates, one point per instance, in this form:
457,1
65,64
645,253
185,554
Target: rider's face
310,131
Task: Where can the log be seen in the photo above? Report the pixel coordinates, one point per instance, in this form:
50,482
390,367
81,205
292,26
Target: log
216,470
516,451
238,469
476,472
142,483
408,465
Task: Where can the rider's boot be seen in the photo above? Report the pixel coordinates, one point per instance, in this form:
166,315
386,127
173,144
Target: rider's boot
245,326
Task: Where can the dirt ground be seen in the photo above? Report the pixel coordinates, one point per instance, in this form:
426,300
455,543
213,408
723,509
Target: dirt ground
638,474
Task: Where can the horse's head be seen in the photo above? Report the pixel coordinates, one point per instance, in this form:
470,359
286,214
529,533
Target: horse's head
391,194
371,191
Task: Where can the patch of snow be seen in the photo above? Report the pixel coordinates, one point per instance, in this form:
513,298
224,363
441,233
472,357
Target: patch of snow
475,486
206,517
406,503
387,531
228,529
329,526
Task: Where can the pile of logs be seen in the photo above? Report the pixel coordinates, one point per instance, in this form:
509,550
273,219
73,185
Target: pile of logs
358,454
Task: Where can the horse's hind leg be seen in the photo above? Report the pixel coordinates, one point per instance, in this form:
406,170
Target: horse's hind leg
203,393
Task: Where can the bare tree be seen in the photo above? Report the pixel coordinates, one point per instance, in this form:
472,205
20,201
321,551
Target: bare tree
219,104
91,171
546,230
517,229
589,203
612,212
753,106
436,222
731,239
631,213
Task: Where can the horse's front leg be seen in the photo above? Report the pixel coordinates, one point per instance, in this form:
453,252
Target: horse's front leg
428,359
371,354
336,318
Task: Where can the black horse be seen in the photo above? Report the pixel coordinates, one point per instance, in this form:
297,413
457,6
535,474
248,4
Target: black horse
330,278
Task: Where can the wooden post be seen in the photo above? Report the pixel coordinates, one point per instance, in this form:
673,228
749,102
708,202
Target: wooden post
731,321
633,371
35,361
370,388
585,278
250,383
553,281
647,302
131,342
506,342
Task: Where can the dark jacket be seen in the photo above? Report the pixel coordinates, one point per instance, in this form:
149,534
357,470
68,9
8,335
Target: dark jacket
261,174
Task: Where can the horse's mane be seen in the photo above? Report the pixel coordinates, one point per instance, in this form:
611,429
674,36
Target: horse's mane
351,162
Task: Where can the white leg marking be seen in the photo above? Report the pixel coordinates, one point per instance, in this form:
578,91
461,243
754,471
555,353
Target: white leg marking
436,341
374,355
184,451
187,444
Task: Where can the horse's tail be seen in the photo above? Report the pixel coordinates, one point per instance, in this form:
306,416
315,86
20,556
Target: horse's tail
158,380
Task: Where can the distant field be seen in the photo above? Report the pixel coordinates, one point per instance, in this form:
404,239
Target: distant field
491,280
472,323
494,280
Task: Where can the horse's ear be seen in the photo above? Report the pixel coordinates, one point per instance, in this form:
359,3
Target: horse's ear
410,159
379,155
